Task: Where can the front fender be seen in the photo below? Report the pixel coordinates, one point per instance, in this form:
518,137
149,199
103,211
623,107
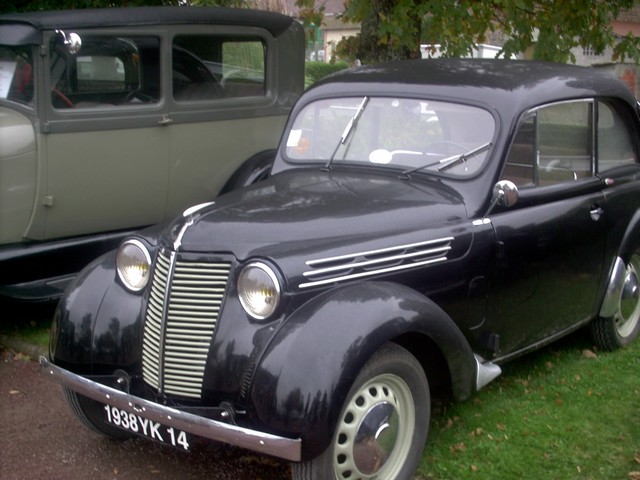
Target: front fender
97,326
307,370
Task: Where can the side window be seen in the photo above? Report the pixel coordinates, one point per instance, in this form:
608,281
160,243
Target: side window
108,71
209,67
554,145
565,142
615,142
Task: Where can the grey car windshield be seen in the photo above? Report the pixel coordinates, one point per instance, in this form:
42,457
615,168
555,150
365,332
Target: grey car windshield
403,133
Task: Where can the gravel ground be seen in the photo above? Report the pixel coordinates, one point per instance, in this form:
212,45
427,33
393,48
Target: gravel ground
41,439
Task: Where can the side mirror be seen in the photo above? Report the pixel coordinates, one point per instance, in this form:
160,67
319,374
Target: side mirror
505,194
72,41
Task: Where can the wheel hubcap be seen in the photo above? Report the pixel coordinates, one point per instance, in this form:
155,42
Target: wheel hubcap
375,433
629,310
376,437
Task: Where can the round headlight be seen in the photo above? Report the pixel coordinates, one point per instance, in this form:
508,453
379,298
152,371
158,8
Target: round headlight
133,263
258,290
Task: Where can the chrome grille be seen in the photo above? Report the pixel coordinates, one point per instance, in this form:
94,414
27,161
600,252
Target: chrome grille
184,304
364,264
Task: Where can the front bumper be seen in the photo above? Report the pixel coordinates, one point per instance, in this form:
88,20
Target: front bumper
281,447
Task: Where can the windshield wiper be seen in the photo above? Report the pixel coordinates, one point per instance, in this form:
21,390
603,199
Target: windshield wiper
347,131
449,162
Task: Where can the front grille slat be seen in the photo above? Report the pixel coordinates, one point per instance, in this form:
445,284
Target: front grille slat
180,322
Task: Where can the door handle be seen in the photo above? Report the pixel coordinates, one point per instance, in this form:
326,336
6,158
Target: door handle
596,212
165,120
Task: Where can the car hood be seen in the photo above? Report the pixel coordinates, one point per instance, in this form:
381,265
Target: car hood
307,214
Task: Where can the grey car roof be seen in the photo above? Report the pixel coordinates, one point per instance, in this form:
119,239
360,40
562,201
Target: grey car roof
27,27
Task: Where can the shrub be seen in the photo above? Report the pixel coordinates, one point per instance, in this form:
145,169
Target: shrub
314,71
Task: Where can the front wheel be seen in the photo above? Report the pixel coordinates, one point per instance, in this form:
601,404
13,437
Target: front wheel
624,326
91,414
383,425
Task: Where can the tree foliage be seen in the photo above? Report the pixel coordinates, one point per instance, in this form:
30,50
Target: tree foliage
546,29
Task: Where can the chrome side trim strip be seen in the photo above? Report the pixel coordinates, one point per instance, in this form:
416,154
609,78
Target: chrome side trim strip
377,252
356,265
281,447
349,266
368,274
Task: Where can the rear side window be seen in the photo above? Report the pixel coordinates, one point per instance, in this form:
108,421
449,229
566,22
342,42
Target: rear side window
207,67
615,141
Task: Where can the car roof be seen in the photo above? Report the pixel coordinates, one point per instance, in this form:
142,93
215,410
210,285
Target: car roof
21,28
507,85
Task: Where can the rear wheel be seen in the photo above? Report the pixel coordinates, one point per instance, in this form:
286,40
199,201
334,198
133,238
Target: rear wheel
91,413
624,326
383,425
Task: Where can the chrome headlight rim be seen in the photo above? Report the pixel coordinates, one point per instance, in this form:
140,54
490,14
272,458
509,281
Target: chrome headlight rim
145,255
271,274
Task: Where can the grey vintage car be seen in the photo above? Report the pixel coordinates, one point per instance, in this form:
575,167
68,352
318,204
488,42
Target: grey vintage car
114,119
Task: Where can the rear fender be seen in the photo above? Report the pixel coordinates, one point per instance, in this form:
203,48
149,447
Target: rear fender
307,370
616,278
631,239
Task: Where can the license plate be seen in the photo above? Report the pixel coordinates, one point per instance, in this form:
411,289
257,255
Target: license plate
147,428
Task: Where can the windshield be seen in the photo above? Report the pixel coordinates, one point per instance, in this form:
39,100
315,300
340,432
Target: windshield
405,133
16,73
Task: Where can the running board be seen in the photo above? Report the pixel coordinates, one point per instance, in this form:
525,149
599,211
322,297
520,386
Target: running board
486,372
44,290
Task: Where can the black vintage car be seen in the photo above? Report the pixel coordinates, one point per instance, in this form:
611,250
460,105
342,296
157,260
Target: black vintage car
426,221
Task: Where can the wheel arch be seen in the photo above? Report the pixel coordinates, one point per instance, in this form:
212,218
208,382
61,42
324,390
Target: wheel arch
305,374
255,168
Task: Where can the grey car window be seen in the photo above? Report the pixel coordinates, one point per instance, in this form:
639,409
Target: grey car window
208,67
108,71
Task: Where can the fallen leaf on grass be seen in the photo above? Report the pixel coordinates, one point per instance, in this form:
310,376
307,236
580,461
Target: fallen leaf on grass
634,475
636,457
458,447
586,353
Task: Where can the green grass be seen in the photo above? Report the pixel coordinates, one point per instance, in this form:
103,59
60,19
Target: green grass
29,322
565,412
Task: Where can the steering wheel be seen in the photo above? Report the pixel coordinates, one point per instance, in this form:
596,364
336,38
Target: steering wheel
62,97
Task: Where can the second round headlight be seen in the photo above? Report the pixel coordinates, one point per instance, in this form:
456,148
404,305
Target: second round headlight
133,264
259,290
